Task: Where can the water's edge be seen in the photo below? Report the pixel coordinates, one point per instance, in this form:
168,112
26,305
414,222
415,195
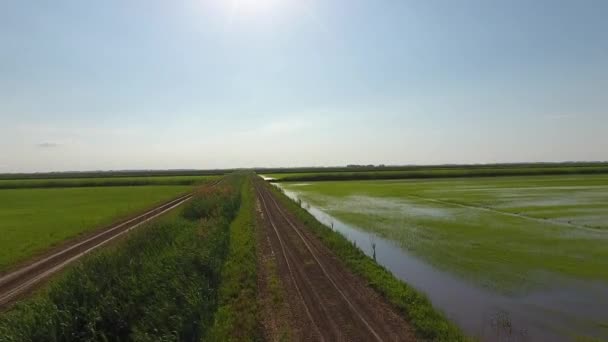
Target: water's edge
552,315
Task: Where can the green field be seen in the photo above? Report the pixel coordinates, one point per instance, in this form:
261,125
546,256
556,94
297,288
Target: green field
32,220
437,172
188,276
508,233
112,174
103,181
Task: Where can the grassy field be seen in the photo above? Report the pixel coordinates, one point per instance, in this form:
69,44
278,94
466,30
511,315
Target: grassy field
364,168
508,233
163,283
32,220
159,284
437,172
112,174
103,181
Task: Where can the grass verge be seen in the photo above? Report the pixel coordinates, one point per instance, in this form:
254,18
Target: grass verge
428,323
237,316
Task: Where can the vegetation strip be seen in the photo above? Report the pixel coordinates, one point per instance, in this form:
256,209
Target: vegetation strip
112,174
159,284
427,322
455,172
363,168
103,182
237,316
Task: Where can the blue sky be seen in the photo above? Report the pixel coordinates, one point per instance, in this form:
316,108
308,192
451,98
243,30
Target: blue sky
123,84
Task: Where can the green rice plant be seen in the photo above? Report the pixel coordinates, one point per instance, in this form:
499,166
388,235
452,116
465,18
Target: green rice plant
512,235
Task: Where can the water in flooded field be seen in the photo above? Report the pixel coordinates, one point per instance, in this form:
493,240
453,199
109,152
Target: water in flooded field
561,313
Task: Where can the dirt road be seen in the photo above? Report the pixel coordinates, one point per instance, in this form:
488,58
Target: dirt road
23,280
326,302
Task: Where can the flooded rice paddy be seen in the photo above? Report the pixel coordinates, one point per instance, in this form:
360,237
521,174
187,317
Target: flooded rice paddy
494,255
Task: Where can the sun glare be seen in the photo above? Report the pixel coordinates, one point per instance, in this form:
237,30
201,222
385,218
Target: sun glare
255,6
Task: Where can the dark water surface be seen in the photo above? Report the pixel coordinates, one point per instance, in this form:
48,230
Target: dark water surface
574,309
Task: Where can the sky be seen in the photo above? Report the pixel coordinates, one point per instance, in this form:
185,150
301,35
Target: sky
156,84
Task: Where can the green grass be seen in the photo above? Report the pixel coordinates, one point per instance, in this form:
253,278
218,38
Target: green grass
562,231
428,323
32,220
160,284
237,316
437,172
103,181
112,174
363,168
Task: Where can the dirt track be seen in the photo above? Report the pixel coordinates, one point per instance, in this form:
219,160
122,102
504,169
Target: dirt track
326,301
24,279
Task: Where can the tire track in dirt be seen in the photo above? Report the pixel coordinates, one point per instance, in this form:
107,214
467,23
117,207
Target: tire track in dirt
340,305
286,257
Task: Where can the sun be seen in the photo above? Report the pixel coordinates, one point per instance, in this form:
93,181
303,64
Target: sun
255,6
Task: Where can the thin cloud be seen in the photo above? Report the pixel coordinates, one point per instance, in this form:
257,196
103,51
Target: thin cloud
560,116
47,145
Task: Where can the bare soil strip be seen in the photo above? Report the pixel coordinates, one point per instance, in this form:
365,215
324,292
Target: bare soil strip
275,314
328,301
24,279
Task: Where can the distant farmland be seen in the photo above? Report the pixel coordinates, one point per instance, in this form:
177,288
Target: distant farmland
103,181
446,251
364,173
112,174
